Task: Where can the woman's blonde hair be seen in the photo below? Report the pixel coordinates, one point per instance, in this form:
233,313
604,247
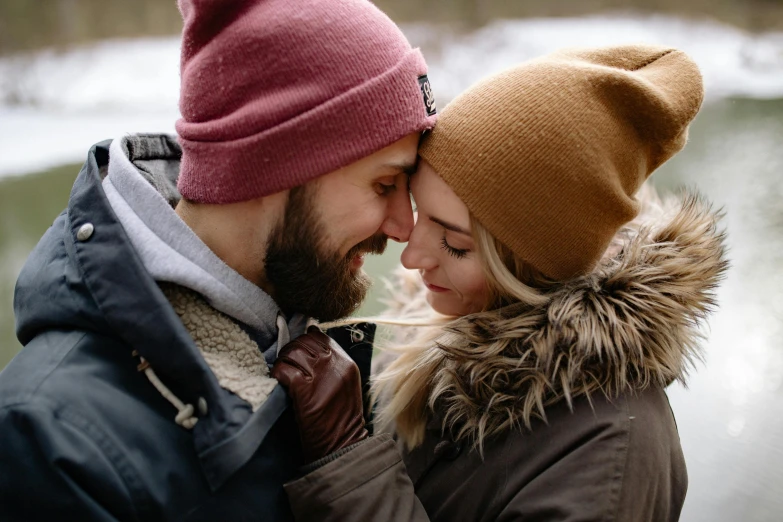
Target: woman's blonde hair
405,391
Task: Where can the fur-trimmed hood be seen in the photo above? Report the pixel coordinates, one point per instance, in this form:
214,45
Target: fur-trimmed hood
634,322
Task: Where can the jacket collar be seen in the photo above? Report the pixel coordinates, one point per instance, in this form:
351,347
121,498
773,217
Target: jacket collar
634,322
141,187
136,311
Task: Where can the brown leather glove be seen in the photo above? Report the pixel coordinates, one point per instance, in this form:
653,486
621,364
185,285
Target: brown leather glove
325,387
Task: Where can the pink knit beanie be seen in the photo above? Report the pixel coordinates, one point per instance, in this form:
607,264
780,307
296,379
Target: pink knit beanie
277,92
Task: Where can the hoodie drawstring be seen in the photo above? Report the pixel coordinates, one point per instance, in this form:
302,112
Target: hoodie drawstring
185,412
283,335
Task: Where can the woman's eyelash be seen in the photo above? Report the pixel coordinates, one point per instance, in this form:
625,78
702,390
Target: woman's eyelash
456,252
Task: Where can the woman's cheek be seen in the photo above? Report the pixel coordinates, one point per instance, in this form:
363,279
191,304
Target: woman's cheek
473,285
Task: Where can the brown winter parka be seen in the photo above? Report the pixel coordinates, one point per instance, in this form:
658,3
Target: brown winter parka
609,448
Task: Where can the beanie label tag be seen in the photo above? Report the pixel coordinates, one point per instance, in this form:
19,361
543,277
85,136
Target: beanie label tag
429,97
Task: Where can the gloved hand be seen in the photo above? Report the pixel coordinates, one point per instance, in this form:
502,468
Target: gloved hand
325,387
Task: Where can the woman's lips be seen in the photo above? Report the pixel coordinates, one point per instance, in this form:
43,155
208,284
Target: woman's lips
434,288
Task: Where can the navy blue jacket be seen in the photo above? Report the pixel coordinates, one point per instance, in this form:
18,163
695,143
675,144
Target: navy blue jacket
83,433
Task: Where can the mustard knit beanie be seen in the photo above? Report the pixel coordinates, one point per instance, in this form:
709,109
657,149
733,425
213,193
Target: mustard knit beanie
547,155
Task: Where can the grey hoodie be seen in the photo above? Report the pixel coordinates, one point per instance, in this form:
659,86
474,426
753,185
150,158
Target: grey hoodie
143,195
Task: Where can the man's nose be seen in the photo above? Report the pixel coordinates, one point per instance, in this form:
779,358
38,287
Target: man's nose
399,217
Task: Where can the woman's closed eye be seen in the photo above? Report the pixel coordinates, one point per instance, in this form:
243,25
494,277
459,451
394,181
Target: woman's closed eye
459,253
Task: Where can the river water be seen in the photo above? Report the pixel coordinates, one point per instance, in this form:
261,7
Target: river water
53,106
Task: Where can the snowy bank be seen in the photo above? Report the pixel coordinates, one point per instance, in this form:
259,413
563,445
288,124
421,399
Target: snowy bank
53,105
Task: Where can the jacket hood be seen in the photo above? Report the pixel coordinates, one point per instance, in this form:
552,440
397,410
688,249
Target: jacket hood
85,275
634,322
50,291
141,188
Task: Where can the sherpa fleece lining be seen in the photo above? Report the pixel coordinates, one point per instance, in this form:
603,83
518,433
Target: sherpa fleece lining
168,248
209,296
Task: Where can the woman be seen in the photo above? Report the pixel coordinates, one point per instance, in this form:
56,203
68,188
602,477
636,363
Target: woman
565,308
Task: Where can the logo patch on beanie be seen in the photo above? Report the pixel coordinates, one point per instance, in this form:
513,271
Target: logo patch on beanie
429,97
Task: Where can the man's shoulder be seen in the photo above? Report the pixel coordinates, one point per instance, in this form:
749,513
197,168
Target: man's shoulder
77,428
76,391
37,363
66,368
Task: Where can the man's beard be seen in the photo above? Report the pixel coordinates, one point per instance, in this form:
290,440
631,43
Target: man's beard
308,278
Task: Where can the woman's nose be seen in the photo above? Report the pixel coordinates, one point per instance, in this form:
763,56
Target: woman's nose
417,255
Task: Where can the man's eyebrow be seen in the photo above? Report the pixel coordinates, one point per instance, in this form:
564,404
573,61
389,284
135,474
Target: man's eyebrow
449,226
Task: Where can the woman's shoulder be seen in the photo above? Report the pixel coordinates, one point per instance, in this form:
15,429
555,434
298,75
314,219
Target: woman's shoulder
596,443
634,418
599,459
602,428
620,456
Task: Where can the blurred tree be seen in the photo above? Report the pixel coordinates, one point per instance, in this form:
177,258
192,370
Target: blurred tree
33,24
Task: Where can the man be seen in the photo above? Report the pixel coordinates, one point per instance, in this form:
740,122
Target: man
154,306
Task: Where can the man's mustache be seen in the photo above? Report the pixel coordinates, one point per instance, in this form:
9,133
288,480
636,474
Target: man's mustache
372,245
